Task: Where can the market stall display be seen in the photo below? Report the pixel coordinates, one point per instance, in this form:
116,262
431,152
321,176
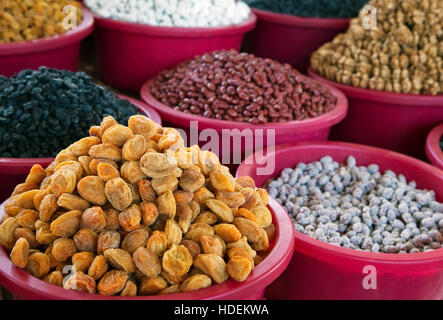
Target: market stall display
149,49
37,37
134,212
290,30
320,270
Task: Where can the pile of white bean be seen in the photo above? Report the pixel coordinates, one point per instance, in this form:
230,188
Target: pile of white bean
173,13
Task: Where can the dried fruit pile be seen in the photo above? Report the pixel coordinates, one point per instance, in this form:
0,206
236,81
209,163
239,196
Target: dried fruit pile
403,54
228,85
136,213
22,20
42,111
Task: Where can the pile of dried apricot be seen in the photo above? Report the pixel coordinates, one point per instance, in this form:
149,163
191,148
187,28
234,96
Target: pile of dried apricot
134,212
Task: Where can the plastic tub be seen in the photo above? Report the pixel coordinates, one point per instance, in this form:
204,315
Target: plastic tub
26,286
319,270
128,54
233,144
433,149
291,39
398,122
14,170
60,51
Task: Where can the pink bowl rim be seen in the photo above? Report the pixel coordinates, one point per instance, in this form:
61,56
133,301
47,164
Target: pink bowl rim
299,21
400,99
27,162
176,32
327,119
317,245
266,272
433,150
27,47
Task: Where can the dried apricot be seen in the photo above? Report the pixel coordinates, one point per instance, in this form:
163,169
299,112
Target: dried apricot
55,278
211,245
63,249
134,148
82,146
177,260
164,184
147,262
166,204
248,228
85,161
175,288
157,165
62,181
73,166
98,267
245,213
184,217
196,282
222,180
38,265
173,232
67,224
7,232
86,240
246,182
212,265
107,171
134,240
221,210
231,199
262,244
206,217
92,189
242,243
130,218
80,282
118,193
27,218
36,175
93,219
19,253
197,230
117,135
106,151
150,286
252,197
107,123
120,259
234,252
82,261
93,164
157,243
108,240
183,197
239,268
131,172
48,207
208,162
28,235
112,222
70,201
191,180
192,246
263,215
149,213
147,192
130,289
43,233
23,187
270,231
141,125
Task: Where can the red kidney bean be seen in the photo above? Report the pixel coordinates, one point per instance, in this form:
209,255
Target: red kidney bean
228,85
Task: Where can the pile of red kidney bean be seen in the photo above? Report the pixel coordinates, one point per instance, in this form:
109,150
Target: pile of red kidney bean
228,85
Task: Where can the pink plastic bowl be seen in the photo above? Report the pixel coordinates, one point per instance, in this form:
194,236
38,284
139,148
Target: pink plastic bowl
129,54
14,170
319,270
289,38
307,130
26,286
398,122
433,149
60,51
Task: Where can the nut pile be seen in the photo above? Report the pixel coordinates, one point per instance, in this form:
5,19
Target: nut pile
41,112
317,8
357,207
22,20
173,13
134,212
227,85
404,54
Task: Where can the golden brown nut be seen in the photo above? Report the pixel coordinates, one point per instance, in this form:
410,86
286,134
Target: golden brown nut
130,218
134,240
112,282
81,261
157,243
197,230
92,189
67,224
147,192
120,259
19,254
7,232
70,201
239,268
150,286
221,210
196,282
177,260
63,249
38,265
98,267
134,148
118,193
147,262
93,219
117,135
86,240
166,204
